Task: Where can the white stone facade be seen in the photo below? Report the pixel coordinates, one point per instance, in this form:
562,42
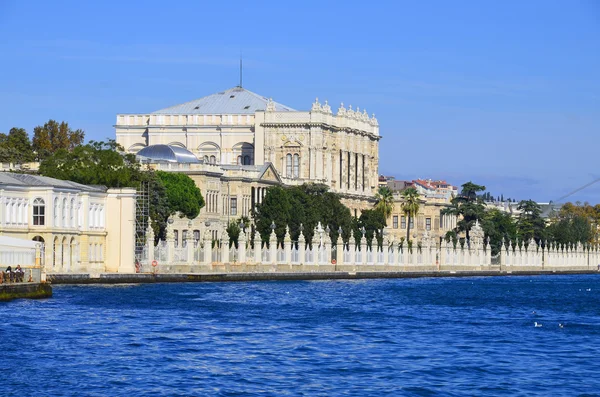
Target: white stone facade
72,222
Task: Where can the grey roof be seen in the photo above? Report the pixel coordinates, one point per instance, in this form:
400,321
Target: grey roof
28,180
166,153
235,100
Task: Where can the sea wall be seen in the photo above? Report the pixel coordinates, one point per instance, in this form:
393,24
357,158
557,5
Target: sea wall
138,278
25,290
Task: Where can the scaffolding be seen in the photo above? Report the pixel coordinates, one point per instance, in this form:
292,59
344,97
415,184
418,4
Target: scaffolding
142,214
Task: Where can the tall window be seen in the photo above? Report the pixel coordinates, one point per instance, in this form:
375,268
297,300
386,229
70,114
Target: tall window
72,213
184,238
39,212
176,235
403,222
288,165
247,160
64,212
56,211
363,172
341,169
234,206
239,160
296,166
395,221
196,237
412,222
213,160
427,223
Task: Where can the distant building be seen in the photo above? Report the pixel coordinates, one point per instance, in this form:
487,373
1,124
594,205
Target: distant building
435,189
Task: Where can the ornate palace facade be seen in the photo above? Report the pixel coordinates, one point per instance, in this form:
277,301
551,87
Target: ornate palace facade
237,127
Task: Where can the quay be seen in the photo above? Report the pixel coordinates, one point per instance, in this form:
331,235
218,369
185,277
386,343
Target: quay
144,278
25,290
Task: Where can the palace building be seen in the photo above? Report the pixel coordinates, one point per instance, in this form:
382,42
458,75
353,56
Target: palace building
236,143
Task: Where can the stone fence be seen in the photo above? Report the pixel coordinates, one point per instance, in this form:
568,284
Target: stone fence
323,254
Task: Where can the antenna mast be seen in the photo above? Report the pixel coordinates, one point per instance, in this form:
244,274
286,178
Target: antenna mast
241,69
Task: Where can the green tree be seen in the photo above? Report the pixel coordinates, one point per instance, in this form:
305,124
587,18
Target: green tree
410,206
497,226
234,230
373,221
384,202
54,136
467,207
530,223
16,147
305,205
182,193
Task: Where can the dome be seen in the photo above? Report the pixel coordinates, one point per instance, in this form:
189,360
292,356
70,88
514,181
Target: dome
166,153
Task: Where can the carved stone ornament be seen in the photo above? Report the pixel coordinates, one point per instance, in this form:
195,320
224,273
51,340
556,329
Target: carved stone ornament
341,110
270,105
374,120
316,106
326,108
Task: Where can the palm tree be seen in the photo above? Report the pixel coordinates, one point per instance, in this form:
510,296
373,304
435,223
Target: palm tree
385,202
410,206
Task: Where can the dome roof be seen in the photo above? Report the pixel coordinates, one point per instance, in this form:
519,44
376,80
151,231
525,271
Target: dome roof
166,153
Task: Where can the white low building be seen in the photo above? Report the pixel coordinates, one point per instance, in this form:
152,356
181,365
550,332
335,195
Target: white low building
86,229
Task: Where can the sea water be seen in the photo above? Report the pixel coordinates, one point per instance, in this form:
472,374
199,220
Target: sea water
396,337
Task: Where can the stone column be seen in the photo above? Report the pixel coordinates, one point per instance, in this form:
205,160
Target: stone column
352,248
150,242
385,247
301,248
225,247
287,244
328,243
241,247
257,247
273,247
363,249
339,249
170,243
207,248
315,246
189,241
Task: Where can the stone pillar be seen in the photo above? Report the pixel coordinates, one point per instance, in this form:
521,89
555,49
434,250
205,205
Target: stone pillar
315,246
150,241
257,247
225,247
339,249
385,247
328,242
207,248
241,247
189,241
301,248
363,250
287,246
170,243
273,247
352,248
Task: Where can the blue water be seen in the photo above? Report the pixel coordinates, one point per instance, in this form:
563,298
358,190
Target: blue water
412,337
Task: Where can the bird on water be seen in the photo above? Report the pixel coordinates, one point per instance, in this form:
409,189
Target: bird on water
537,325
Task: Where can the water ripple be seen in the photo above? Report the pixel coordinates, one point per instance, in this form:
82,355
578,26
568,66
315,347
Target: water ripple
419,337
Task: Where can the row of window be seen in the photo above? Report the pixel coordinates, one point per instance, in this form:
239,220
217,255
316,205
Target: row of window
412,222
65,212
241,160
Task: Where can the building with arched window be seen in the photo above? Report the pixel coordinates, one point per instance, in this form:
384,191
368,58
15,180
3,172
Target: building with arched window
72,221
239,128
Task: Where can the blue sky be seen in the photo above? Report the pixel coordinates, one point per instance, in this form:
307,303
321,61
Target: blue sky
505,93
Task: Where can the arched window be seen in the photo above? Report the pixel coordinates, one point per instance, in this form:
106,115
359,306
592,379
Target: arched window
247,160
288,165
213,160
296,166
239,160
39,212
206,159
